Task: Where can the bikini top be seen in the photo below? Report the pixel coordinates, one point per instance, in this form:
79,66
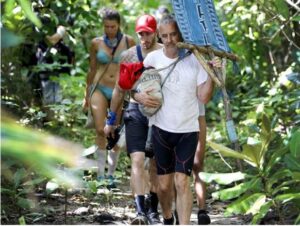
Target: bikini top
104,58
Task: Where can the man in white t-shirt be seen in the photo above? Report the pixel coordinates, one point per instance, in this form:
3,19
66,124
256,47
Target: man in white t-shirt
175,126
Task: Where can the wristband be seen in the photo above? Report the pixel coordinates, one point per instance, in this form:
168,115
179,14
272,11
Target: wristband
111,118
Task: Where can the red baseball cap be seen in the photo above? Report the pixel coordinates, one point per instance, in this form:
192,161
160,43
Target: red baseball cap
145,23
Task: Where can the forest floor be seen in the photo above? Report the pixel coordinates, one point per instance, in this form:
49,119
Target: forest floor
114,207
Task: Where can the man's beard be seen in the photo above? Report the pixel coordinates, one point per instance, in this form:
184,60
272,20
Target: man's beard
151,44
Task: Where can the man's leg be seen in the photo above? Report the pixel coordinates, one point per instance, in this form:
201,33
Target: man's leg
163,146
165,195
136,126
137,173
185,152
152,199
184,199
199,185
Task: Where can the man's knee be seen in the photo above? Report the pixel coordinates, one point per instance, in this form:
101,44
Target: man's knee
164,188
182,182
197,167
137,161
165,183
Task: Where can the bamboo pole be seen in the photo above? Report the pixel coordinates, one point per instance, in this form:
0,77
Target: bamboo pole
217,76
207,68
206,50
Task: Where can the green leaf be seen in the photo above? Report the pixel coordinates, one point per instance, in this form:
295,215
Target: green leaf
257,204
7,191
22,220
222,178
227,151
296,175
92,185
297,221
254,153
282,8
24,203
9,6
26,7
266,125
287,197
262,212
295,144
291,162
296,18
19,176
247,204
35,181
278,177
287,185
9,39
266,135
275,158
237,190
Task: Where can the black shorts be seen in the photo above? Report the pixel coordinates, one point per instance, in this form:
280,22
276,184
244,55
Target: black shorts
174,152
136,127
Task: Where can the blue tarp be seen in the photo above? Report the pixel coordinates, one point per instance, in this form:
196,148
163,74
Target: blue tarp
199,23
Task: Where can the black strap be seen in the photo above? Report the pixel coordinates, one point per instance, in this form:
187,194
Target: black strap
139,53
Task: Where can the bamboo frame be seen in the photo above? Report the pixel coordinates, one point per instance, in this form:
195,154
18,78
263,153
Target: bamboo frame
218,77
206,50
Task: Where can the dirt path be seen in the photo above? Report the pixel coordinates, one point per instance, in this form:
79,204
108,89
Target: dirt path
117,207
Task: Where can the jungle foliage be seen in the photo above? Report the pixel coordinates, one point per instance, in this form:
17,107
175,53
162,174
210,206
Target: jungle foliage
264,96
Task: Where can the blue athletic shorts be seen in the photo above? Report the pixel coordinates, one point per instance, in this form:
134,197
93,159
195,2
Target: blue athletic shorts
174,152
136,127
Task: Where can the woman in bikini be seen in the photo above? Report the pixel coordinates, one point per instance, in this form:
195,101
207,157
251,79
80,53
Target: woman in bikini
105,54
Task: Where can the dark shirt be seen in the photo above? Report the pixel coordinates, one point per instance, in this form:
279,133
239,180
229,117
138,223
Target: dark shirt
61,55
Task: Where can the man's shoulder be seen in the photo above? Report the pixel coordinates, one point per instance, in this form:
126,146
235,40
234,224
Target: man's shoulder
153,56
129,55
155,52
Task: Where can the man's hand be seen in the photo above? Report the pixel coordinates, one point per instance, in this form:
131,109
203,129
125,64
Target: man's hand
146,99
109,131
216,62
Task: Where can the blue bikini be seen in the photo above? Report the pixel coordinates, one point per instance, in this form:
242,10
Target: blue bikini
103,58
106,91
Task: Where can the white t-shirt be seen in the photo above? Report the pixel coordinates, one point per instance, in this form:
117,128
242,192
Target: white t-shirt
201,109
180,109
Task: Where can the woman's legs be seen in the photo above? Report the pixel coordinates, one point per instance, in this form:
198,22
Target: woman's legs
99,107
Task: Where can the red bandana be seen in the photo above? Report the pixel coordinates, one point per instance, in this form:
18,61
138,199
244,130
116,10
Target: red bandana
129,74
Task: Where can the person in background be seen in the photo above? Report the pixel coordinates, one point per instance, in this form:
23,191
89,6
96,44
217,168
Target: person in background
174,126
49,51
161,12
199,185
105,55
136,124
